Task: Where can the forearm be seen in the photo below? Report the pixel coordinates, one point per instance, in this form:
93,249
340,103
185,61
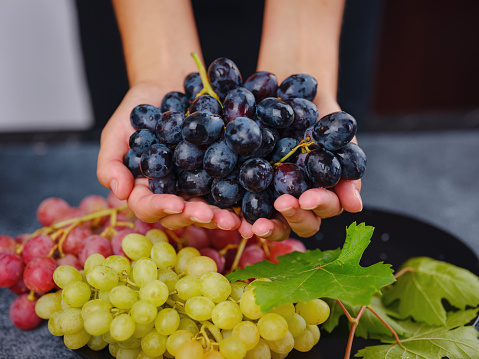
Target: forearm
303,37
158,37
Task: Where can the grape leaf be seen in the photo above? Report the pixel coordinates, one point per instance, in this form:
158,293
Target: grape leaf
420,292
429,342
333,274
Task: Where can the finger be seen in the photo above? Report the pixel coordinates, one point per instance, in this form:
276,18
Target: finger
150,207
274,229
324,203
245,228
349,195
225,219
303,222
194,212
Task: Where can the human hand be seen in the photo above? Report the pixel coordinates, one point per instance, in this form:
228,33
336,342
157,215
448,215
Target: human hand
172,211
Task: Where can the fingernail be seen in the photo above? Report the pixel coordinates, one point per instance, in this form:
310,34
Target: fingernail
288,212
358,196
267,234
113,186
224,229
170,211
194,219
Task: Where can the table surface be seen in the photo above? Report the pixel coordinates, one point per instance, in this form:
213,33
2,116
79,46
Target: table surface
428,176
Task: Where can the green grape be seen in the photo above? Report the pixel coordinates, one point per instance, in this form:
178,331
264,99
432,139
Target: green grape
54,325
248,305
108,338
169,277
226,315
314,312
93,260
136,246
143,329
64,305
153,344
213,354
48,304
122,327
83,275
143,312
296,325
272,326
215,286
305,341
71,321
188,287
92,307
65,274
233,348
226,333
155,292
188,324
113,349
278,356
163,254
316,333
248,332
143,355
286,310
96,316
104,295
199,308
197,266
176,340
123,297
75,294
102,277
156,235
119,264
190,349
283,345
237,290
96,343
123,353
130,343
260,351
183,256
144,271
76,340
167,321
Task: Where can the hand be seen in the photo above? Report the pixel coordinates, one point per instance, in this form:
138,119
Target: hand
172,211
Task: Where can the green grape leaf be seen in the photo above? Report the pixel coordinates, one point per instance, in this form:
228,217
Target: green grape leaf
453,341
334,274
420,291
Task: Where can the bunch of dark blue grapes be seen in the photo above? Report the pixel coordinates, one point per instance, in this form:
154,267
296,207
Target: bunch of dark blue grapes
245,147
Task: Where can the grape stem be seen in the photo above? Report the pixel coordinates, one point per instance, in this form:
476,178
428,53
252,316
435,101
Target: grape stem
396,337
403,271
207,89
239,253
303,144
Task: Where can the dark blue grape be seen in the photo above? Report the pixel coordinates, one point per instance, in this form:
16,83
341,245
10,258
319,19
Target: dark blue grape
145,116
308,133
219,160
194,183
290,179
291,132
188,156
156,161
262,84
192,85
256,174
224,76
132,161
353,161
243,136
283,147
323,168
300,85
175,101
257,205
305,113
210,200
202,128
168,128
269,139
274,113
239,102
141,140
301,159
206,103
335,130
227,191
163,185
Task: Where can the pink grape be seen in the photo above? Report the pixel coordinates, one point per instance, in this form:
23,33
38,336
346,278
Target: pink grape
143,227
113,201
120,218
220,238
71,213
22,313
37,246
230,257
71,260
95,244
38,274
51,209
11,269
7,244
289,245
216,256
93,203
19,287
23,237
195,237
251,255
117,239
74,241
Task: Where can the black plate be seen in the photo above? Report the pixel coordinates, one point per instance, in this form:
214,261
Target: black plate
396,238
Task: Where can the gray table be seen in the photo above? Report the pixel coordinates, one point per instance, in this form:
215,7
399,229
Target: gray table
431,177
